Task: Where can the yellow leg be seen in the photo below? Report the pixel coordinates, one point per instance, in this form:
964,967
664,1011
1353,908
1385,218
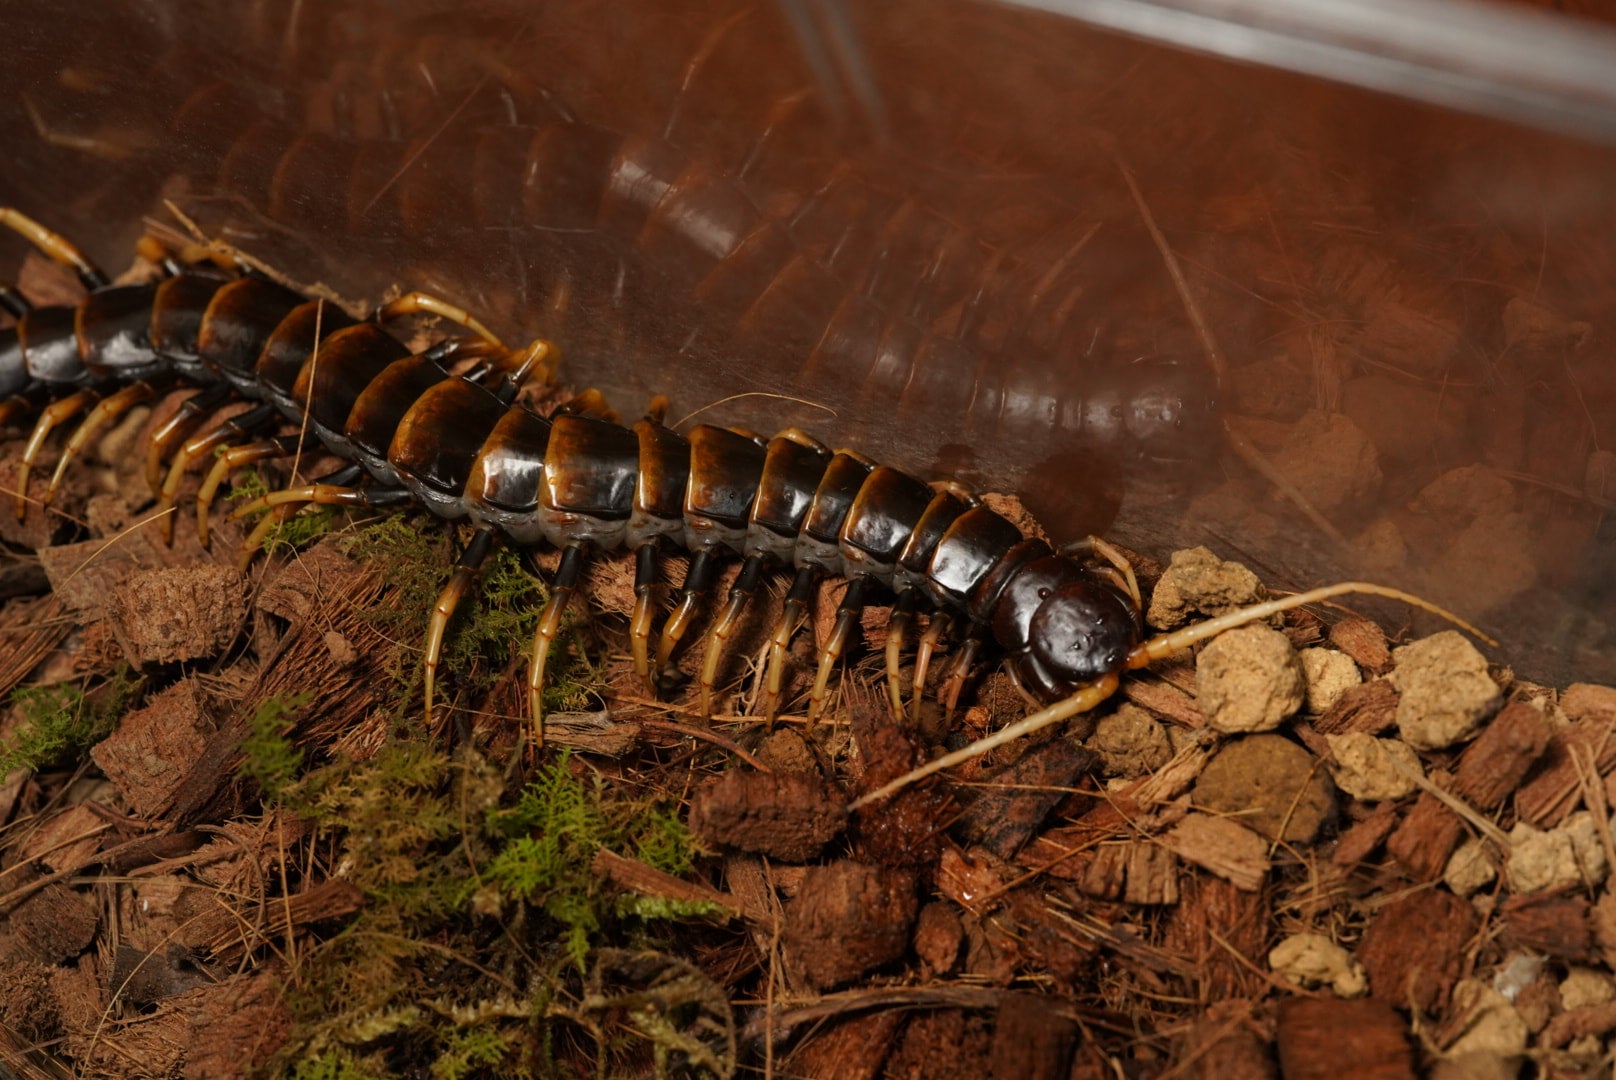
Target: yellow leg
52,415
572,564
639,627
846,615
54,245
236,457
465,572
105,412
255,539
179,427
957,673
802,591
420,303
902,613
1119,561
928,645
743,590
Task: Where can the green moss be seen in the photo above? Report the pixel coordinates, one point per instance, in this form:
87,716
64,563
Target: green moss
60,721
554,830
334,1065
268,754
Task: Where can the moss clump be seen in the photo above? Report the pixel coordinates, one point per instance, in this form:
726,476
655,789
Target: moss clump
482,907
553,832
60,721
269,756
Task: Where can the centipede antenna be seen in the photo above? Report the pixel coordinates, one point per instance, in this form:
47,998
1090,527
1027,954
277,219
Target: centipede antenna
1165,645
1111,554
847,614
1061,711
57,412
466,569
56,246
740,593
544,635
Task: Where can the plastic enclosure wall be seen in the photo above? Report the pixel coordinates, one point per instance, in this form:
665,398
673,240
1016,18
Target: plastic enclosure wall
944,266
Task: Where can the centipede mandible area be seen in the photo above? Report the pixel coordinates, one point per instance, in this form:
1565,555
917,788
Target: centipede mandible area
803,538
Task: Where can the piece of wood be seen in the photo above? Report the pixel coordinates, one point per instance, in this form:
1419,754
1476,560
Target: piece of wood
54,924
1031,1040
1223,933
1490,770
1560,927
1330,1039
1555,789
854,1048
1221,846
1370,707
145,758
1360,840
1414,950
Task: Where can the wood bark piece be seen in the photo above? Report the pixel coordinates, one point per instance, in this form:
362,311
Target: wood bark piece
1223,933
847,919
1414,950
145,758
1555,791
1561,927
1031,1040
852,1049
1223,1046
236,1025
228,937
786,816
1152,874
1490,770
174,614
1364,641
1359,841
1330,1039
1016,800
54,924
1165,700
1223,847
1370,708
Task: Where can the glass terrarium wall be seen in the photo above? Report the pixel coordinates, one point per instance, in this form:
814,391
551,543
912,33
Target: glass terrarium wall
1372,336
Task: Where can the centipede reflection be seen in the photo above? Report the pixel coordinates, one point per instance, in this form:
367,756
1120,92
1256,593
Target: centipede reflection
465,445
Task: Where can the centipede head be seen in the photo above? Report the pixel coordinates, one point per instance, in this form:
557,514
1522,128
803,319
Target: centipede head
1065,626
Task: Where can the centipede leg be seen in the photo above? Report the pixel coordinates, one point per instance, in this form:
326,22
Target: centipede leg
254,540
566,583
12,302
466,569
796,609
591,403
106,411
1126,580
743,590
949,692
698,580
237,427
639,626
852,606
420,303
179,427
902,612
54,245
928,645
236,457
50,417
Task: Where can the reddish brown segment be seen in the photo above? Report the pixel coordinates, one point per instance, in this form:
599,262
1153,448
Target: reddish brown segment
439,438
348,361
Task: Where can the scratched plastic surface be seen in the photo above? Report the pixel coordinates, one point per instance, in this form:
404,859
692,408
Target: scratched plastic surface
1411,307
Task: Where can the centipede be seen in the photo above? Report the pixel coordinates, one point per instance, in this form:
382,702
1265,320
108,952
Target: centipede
464,445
